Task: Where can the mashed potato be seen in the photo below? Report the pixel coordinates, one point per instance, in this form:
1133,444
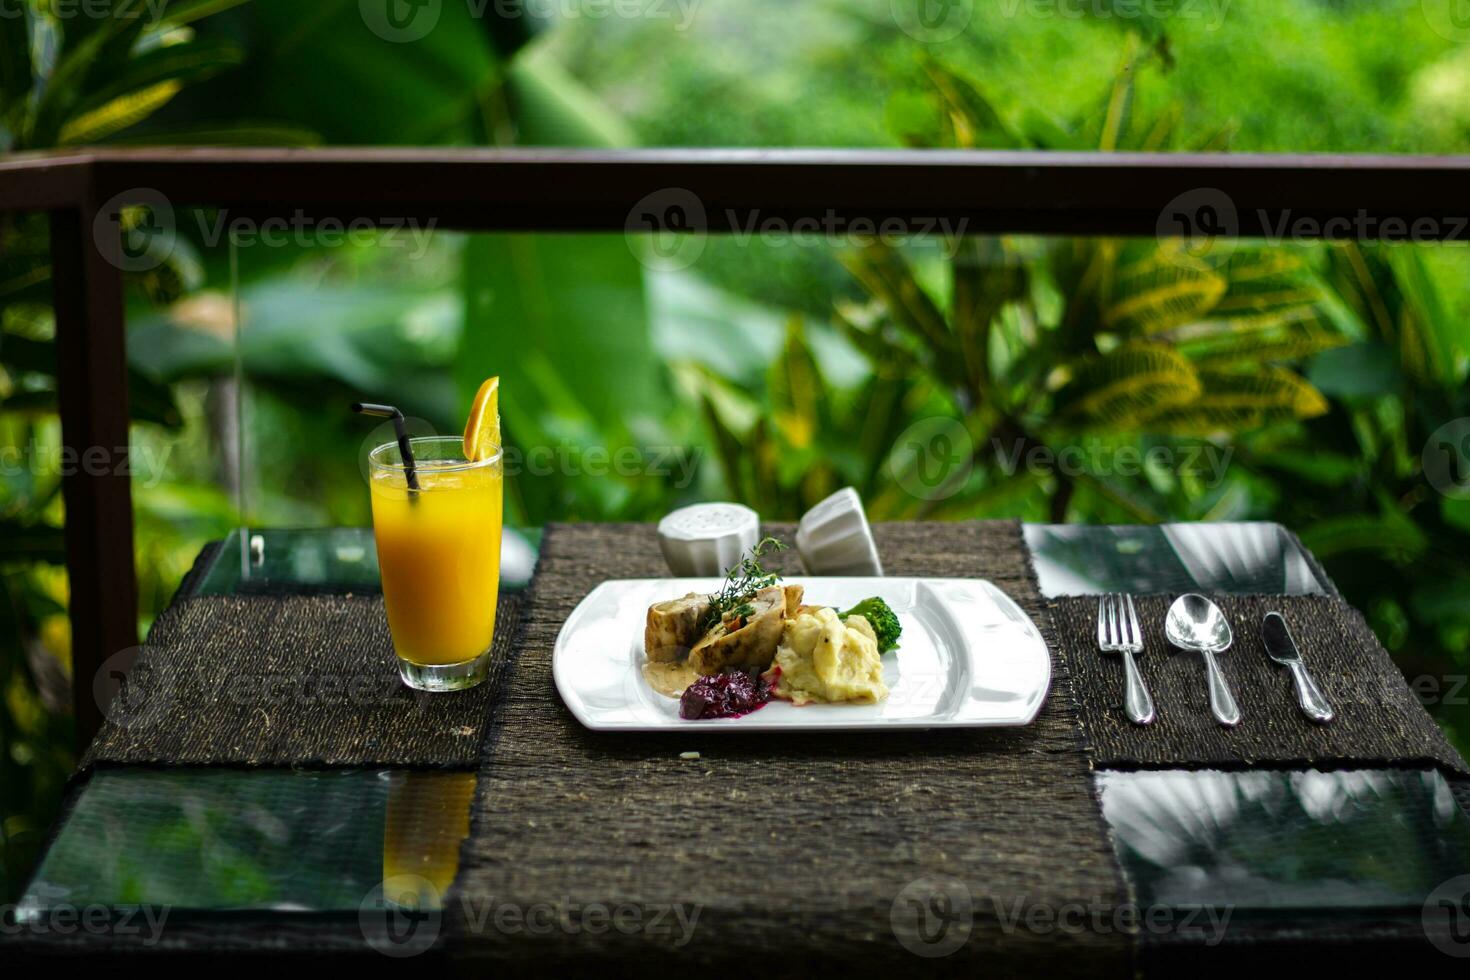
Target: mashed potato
823,659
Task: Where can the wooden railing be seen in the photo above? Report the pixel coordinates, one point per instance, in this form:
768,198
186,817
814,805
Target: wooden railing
1275,197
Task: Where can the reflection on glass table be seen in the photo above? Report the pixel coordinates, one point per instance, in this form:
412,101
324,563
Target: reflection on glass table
220,840
1071,559
337,559
1235,557
1371,840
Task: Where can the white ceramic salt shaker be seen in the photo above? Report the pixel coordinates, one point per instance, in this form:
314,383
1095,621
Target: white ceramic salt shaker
833,537
707,539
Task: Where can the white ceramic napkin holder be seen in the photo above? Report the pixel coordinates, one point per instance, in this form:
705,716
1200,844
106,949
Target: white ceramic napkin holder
833,537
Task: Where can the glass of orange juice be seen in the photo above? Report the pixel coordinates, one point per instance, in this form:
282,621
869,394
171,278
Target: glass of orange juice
439,557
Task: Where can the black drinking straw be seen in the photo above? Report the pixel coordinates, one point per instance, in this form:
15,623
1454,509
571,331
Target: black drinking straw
404,449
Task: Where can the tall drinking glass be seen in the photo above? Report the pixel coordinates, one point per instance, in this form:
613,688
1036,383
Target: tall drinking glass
439,556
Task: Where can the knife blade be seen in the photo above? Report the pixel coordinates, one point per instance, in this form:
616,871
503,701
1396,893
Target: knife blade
1281,647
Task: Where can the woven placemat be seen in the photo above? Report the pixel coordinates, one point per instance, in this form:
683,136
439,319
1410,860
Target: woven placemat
793,850
290,681
1379,721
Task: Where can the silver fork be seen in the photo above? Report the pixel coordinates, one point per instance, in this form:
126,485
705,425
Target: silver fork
1118,632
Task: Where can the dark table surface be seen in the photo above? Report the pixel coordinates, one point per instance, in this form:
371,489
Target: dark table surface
289,860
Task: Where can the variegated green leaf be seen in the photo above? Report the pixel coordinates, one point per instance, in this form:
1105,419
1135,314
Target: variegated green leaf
1118,389
1160,293
1235,402
119,114
1291,334
187,62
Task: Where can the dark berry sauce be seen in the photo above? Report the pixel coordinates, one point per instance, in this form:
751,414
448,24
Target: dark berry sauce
724,696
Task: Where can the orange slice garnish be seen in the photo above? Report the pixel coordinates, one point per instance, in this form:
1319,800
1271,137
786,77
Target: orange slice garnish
482,428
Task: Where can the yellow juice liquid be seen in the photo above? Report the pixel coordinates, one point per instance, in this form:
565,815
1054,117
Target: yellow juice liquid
439,556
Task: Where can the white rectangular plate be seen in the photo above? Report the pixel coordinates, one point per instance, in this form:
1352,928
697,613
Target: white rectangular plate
969,658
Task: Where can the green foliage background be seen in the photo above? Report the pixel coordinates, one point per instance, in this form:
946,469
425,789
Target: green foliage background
782,371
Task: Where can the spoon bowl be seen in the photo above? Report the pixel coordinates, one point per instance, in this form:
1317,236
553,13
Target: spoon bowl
1195,623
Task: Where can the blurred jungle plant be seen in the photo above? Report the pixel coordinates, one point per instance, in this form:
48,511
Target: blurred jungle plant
312,326
66,81
1321,370
1034,345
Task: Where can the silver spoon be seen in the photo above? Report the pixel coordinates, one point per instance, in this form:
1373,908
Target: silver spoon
1197,624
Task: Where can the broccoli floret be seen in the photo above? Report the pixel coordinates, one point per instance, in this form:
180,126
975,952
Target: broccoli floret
883,620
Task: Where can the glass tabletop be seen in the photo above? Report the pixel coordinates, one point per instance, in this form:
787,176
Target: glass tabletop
211,842
335,559
1260,844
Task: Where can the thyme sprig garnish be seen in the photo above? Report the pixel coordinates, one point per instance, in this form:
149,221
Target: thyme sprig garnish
743,581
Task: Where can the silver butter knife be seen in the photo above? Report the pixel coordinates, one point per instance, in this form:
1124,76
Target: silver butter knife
1282,649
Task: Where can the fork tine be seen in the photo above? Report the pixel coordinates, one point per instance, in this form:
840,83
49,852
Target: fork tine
1102,622
1115,620
1135,629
